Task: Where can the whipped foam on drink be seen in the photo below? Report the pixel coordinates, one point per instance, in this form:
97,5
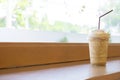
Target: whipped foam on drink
99,34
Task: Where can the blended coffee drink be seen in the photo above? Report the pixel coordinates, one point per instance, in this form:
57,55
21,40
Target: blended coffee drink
98,47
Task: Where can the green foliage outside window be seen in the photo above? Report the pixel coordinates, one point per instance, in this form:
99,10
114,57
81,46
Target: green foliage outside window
26,17
2,22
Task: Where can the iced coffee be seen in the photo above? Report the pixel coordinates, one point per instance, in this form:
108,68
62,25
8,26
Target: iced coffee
98,47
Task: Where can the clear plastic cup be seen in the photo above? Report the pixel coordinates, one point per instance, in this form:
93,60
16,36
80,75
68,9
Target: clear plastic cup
98,47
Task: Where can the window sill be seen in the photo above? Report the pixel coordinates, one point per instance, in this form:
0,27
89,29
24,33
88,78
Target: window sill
79,70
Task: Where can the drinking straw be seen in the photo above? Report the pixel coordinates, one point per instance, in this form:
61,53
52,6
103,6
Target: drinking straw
102,16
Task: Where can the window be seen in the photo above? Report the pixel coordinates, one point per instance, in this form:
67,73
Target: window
74,18
53,21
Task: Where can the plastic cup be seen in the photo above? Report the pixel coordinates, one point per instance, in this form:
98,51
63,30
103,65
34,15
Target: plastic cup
98,47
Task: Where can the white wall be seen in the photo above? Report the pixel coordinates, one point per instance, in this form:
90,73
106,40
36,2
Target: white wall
10,35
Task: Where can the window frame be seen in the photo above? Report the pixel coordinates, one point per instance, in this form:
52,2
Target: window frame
29,53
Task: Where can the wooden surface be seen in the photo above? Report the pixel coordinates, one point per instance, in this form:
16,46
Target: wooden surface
22,54
80,70
113,76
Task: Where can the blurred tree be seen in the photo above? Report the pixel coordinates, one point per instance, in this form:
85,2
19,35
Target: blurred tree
19,13
113,19
33,21
63,40
2,18
2,22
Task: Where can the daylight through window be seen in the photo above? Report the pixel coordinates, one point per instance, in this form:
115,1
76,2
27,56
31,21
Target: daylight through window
69,16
